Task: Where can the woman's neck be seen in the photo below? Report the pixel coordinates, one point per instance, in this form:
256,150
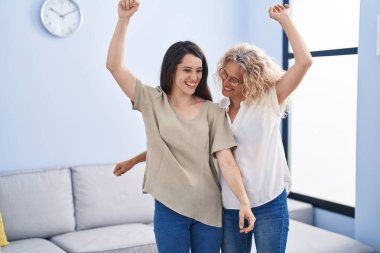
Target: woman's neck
235,101
179,99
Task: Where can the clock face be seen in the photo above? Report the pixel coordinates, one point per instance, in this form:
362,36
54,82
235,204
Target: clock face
61,17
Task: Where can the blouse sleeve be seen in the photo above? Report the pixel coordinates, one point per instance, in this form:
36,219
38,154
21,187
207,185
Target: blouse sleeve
144,95
280,109
221,134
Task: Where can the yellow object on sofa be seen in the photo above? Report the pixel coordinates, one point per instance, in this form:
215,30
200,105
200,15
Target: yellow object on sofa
3,238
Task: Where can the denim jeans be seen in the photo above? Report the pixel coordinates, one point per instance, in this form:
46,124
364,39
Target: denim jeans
176,233
270,231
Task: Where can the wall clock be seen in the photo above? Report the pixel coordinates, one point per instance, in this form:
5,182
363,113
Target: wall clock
61,17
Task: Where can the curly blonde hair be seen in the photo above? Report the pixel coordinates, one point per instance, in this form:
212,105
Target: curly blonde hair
259,71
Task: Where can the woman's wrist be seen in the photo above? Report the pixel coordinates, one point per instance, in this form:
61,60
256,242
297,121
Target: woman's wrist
245,202
124,20
284,20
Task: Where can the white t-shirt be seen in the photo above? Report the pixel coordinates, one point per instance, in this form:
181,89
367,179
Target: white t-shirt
259,153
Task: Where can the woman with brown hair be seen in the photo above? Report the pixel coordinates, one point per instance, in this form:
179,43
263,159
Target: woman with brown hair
184,130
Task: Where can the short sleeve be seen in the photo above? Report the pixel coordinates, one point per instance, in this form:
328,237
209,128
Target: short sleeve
279,109
144,95
221,134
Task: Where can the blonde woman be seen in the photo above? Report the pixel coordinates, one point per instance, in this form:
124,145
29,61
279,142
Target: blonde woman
255,90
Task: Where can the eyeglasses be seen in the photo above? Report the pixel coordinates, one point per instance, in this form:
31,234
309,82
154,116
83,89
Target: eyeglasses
232,80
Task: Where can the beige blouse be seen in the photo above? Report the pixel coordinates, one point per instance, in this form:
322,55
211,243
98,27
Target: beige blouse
179,170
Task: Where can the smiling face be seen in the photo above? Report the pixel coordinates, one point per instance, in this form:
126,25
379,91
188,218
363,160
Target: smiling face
232,80
187,75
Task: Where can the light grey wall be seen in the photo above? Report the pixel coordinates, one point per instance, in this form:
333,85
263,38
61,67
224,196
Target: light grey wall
367,219
59,106
263,31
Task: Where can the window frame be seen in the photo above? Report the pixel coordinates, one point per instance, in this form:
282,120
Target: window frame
316,202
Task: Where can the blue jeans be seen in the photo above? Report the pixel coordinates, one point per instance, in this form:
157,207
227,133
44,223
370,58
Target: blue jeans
270,231
176,233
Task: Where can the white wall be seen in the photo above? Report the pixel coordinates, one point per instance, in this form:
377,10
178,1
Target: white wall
367,219
59,106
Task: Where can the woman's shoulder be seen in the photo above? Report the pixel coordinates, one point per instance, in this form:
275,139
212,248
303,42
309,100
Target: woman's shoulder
214,110
152,90
211,105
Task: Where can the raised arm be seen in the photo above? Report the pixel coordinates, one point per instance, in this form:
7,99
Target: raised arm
231,174
115,57
303,59
125,166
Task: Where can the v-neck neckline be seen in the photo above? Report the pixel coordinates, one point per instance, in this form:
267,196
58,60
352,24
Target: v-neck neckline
232,122
180,117
227,108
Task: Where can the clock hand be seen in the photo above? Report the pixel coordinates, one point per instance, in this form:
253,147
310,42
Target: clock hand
59,14
67,13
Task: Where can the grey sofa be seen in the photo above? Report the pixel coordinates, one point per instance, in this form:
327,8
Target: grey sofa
80,209
87,209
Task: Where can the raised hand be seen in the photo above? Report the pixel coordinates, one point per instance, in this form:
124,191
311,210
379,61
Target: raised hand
279,12
127,8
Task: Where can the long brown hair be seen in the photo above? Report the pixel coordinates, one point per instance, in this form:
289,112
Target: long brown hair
174,56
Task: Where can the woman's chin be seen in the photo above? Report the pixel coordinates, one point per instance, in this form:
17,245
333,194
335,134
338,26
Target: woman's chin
226,93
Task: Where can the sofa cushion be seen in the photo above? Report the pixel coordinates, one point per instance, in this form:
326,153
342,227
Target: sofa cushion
300,211
3,237
36,203
305,238
127,238
102,199
32,246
